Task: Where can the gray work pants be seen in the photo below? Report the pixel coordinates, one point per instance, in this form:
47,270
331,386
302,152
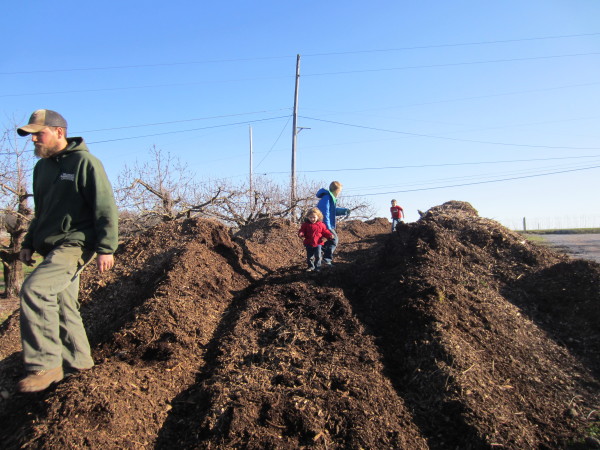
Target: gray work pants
52,331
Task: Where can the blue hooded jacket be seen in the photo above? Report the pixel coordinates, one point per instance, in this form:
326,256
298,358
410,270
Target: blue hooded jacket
327,205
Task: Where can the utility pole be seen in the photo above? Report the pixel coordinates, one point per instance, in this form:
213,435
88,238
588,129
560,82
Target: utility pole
295,135
251,187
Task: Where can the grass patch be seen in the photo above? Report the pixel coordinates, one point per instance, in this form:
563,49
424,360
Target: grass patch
535,238
566,231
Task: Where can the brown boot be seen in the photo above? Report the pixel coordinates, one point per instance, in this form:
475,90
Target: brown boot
40,380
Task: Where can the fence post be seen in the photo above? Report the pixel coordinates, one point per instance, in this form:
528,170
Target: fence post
524,224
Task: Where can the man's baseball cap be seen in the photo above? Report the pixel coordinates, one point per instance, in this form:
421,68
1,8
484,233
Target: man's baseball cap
41,119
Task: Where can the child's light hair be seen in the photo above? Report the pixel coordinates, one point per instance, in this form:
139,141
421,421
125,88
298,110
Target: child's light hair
335,187
316,211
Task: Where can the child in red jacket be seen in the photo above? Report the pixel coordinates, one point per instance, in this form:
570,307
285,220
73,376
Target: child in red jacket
397,214
315,233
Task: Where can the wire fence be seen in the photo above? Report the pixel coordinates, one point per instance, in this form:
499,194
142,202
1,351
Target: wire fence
552,223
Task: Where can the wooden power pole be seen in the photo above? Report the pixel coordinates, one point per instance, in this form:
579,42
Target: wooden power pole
251,187
295,134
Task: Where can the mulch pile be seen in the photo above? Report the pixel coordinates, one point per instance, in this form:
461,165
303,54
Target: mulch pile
453,332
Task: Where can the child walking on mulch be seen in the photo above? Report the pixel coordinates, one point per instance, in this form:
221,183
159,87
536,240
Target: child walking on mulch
315,233
397,214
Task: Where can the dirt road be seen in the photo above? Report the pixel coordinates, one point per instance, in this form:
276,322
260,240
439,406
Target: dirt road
586,246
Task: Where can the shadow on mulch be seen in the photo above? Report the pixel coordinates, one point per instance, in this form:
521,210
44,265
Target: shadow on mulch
453,332
564,300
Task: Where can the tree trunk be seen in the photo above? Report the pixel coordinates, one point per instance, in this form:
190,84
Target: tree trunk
15,170
13,276
13,267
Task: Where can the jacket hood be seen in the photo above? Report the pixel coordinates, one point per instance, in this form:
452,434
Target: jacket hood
322,192
74,144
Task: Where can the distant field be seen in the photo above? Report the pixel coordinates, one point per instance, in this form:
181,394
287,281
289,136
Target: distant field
578,245
566,231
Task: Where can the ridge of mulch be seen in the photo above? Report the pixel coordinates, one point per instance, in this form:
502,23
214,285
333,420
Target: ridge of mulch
453,332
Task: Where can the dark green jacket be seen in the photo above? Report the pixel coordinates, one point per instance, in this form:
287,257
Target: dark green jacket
74,202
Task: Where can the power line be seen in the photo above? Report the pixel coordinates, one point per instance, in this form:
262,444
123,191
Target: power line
149,86
276,141
188,130
426,66
431,136
476,176
370,141
474,183
431,66
259,58
181,121
479,97
423,47
179,131
420,166
143,66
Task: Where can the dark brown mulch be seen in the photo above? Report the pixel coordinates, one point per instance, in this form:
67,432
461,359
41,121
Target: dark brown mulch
453,332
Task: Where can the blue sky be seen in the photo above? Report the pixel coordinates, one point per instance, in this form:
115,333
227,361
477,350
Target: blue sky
424,102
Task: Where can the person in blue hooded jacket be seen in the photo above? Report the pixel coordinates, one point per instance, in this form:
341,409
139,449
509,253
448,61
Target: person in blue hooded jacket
328,206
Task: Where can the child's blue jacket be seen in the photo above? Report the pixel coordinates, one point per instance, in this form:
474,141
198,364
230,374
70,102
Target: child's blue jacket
327,205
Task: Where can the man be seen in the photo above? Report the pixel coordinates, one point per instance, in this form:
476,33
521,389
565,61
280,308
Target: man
75,218
328,206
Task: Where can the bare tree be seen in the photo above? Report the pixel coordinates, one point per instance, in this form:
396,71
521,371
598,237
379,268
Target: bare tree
359,208
15,173
160,190
238,206
164,190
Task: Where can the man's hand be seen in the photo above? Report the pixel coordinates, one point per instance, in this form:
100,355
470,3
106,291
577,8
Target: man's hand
105,262
26,257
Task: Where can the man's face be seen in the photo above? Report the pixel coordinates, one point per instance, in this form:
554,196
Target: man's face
47,142
393,203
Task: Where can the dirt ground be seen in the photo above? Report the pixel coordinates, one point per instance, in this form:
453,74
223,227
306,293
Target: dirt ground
453,332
